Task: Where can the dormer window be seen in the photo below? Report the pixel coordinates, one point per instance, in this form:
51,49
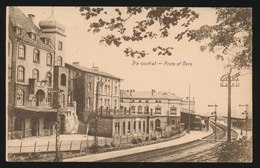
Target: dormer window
18,30
33,36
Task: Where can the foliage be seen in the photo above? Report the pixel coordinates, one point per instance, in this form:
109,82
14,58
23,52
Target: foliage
153,23
231,35
236,151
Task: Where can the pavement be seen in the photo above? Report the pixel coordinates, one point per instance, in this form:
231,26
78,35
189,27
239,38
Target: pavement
194,135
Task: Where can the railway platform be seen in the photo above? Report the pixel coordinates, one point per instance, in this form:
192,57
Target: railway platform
194,135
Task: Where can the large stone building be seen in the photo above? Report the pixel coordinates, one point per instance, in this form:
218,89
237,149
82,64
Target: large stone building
166,107
37,77
93,90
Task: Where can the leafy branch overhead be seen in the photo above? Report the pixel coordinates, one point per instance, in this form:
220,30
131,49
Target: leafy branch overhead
155,23
231,35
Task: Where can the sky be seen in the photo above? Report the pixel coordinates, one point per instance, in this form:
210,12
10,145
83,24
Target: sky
187,66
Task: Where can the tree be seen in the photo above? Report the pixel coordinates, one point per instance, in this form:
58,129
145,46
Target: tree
231,35
154,22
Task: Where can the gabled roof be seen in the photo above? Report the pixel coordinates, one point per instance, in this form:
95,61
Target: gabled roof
149,95
89,70
19,19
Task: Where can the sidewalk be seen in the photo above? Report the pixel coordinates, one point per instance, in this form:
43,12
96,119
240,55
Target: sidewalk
194,135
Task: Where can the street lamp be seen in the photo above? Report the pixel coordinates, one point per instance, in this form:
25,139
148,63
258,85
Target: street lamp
215,112
246,113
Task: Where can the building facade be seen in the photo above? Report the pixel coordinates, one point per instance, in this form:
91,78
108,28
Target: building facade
93,90
37,77
166,107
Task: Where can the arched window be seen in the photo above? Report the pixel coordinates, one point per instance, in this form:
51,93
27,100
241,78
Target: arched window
21,51
48,100
63,79
20,73
157,123
59,61
173,122
49,59
35,74
36,56
20,98
49,78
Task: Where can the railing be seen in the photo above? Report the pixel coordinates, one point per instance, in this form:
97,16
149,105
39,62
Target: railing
79,145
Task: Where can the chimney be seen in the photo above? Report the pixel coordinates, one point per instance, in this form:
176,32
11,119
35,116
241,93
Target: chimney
31,17
75,63
94,67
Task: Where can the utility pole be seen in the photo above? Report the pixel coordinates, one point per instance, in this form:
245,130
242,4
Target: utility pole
246,113
96,115
58,156
189,112
228,79
215,112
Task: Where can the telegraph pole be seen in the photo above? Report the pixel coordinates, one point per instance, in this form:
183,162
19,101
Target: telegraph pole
215,112
228,79
58,156
96,115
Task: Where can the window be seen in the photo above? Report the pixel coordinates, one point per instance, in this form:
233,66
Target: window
158,110
146,111
63,79
129,127
89,102
20,74
59,61
139,126
115,90
18,31
123,128
21,52
20,98
146,101
134,126
48,100
108,102
49,78
108,89
133,100
105,88
133,109
35,74
173,122
49,59
115,103
139,109
89,86
33,36
60,45
152,125
173,110
143,126
36,56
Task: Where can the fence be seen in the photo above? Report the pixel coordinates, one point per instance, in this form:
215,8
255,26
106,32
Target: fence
79,145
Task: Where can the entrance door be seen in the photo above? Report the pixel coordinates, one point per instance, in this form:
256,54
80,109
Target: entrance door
40,96
34,126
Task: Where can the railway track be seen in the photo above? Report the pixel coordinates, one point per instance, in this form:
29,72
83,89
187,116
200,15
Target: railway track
194,151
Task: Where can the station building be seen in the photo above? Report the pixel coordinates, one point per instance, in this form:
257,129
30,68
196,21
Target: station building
37,77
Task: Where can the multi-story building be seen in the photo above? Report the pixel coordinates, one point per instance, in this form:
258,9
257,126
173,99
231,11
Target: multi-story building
166,107
93,90
37,78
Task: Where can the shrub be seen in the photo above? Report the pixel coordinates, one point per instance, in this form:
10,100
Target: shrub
106,146
139,140
113,144
154,138
146,138
236,151
134,141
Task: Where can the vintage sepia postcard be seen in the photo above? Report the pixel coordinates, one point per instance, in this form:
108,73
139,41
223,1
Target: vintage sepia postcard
129,84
